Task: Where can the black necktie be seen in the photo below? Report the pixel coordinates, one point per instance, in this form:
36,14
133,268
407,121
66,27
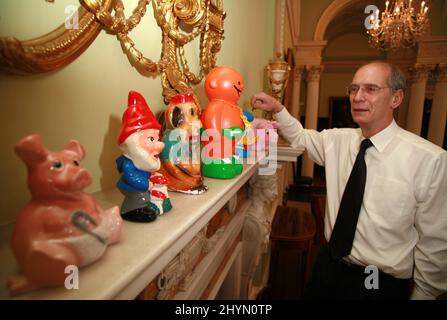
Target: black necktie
340,244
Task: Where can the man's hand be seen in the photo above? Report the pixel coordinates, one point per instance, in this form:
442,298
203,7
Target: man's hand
265,102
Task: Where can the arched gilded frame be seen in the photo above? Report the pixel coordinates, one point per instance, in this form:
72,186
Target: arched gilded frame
52,51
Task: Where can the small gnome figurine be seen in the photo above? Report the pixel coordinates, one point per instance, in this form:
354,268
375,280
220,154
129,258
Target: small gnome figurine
139,141
159,193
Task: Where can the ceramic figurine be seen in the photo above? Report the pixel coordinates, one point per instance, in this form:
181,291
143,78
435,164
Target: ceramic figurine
139,142
248,140
159,193
223,124
61,225
265,133
249,116
180,159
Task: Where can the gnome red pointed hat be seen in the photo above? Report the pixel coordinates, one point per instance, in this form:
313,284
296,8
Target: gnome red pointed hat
138,116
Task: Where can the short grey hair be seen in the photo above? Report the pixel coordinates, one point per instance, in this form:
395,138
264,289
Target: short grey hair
396,80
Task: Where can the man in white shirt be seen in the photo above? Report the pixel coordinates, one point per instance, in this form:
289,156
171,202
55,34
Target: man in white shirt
402,223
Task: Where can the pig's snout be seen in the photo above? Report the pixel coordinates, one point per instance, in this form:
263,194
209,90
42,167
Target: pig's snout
82,179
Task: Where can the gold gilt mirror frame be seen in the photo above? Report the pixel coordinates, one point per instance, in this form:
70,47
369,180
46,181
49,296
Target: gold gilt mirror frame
55,50
51,51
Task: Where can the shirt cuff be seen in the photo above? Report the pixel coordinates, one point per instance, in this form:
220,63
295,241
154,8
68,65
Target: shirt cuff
418,294
283,115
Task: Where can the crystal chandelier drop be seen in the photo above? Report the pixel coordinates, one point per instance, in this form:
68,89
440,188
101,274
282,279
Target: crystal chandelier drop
399,26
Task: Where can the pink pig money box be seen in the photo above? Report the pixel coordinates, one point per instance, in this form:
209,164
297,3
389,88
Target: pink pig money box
61,225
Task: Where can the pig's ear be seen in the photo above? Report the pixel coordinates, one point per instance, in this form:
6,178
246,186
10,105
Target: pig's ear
76,147
30,149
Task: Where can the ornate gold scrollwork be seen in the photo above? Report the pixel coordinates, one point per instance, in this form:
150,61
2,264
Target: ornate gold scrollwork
120,26
191,12
60,47
53,50
206,17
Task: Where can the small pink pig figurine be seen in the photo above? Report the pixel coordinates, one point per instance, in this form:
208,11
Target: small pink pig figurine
61,225
265,132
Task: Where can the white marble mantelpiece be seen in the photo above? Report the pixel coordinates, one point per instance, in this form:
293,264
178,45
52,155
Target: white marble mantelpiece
288,154
130,265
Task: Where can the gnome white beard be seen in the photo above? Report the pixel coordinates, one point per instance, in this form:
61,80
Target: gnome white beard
140,157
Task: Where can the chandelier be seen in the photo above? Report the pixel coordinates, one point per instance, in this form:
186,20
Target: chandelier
399,26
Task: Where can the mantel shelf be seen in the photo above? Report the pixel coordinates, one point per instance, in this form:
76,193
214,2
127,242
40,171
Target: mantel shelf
145,249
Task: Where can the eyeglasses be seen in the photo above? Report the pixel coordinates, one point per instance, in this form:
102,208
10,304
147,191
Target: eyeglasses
370,89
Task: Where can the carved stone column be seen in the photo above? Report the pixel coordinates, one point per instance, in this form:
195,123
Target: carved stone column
416,107
438,115
313,91
297,75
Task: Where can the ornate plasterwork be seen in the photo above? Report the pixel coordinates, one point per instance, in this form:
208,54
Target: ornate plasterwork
432,50
440,73
280,27
180,271
420,72
263,191
298,73
309,52
314,73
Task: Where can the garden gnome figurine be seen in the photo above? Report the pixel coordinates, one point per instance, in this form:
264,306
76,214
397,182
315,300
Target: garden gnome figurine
139,142
159,193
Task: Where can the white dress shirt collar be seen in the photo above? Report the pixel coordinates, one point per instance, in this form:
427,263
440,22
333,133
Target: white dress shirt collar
384,137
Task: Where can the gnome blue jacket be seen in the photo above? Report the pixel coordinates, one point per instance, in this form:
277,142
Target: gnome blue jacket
132,179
